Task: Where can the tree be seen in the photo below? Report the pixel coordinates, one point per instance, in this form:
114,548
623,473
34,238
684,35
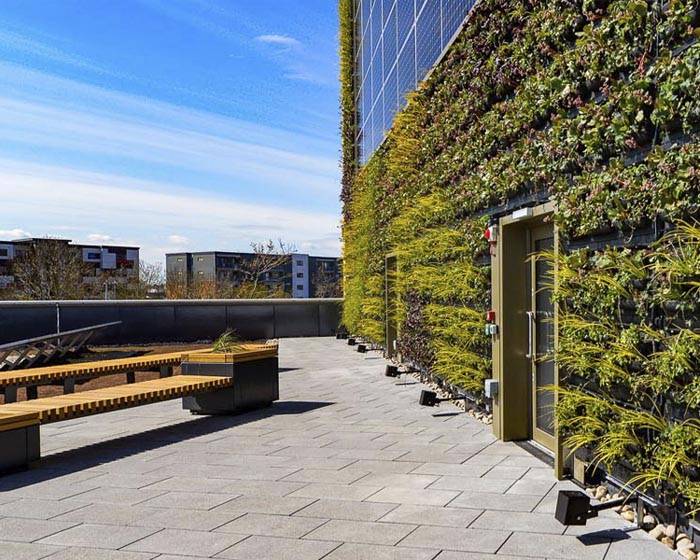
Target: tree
49,269
327,284
263,275
150,283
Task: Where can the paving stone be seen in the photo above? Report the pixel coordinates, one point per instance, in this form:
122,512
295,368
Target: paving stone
126,480
103,514
275,548
345,509
531,487
189,519
98,536
266,504
75,553
449,538
24,551
29,530
396,467
259,488
452,555
557,546
414,496
498,502
353,551
336,492
397,480
427,515
465,470
189,484
325,476
634,549
361,532
38,509
519,521
186,543
188,500
121,496
272,525
472,484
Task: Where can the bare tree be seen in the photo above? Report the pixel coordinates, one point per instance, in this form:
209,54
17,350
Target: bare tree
50,268
327,284
150,283
265,275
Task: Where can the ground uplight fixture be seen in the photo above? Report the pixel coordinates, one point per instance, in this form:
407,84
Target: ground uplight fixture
574,507
391,371
362,348
351,342
430,398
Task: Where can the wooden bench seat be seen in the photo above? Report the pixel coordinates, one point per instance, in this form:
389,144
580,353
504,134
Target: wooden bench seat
69,373
65,407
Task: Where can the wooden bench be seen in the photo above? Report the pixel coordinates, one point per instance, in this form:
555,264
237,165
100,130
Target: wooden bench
69,374
247,380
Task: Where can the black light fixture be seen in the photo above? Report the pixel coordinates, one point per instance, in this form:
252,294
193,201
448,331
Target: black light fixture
430,398
361,348
391,371
574,507
351,342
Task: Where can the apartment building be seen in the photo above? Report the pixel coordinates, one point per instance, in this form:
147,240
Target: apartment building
301,275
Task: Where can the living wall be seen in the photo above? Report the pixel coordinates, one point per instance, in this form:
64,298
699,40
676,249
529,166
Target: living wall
595,105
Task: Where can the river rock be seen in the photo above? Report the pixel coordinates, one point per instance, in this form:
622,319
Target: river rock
628,515
600,492
658,532
688,554
648,522
671,530
668,541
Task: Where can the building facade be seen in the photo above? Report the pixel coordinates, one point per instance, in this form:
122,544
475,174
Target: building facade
117,264
532,219
301,275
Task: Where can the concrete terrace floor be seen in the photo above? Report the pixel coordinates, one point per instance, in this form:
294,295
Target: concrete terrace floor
346,466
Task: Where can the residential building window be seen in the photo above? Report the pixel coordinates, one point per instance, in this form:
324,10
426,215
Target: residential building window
4,252
300,274
93,256
300,263
200,259
200,272
179,259
300,287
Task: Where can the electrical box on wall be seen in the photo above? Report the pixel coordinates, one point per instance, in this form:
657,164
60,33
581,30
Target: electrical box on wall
490,388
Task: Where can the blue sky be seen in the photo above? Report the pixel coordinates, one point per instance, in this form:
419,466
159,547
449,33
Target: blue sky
170,124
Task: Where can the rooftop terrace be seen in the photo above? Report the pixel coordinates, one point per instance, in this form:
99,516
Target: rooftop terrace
345,466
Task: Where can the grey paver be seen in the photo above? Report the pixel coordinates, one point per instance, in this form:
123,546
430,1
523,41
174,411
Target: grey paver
266,504
275,548
519,521
498,502
397,480
354,551
121,496
450,538
29,530
75,553
186,543
188,500
414,496
346,509
427,515
24,551
193,520
102,514
633,549
472,484
98,536
556,546
343,476
272,525
361,532
38,509
337,492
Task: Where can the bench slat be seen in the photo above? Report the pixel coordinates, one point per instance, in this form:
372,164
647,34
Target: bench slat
64,407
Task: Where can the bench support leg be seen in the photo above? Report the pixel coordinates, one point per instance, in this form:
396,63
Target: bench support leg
131,377
166,371
20,448
69,385
32,392
11,394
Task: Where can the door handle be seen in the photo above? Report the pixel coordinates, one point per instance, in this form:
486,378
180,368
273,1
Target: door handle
530,338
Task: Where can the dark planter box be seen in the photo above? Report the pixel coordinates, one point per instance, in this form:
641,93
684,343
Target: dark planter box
255,385
20,447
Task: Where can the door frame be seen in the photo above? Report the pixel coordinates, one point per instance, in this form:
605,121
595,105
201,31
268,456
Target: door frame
510,301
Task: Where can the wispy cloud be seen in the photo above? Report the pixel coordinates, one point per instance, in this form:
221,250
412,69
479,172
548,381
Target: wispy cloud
100,238
178,239
66,115
281,40
147,210
10,234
